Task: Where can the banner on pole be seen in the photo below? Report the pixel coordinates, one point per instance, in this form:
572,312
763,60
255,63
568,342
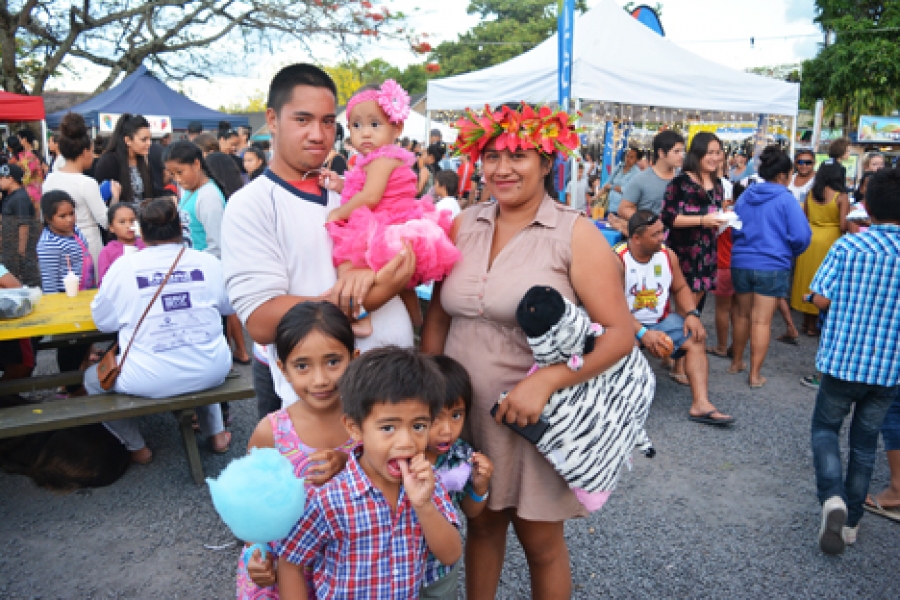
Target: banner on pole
565,39
608,143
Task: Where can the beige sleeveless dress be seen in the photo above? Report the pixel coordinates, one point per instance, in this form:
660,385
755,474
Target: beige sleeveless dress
486,339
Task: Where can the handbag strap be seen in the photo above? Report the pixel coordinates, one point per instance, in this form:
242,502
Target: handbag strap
149,306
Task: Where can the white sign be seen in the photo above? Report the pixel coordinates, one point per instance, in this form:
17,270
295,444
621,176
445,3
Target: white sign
158,125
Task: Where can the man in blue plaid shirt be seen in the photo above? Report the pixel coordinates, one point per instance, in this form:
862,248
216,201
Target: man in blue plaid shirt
858,284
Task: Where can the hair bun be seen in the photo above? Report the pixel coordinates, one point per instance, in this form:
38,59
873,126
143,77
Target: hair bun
73,126
770,155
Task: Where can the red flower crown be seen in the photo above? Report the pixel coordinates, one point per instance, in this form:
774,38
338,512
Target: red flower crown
544,130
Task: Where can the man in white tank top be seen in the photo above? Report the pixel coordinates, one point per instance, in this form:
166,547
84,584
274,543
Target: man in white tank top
652,279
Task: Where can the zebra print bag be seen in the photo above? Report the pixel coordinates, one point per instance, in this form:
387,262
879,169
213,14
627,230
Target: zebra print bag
595,425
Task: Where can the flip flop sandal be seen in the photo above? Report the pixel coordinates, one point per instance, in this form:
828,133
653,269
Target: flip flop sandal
680,379
717,352
791,340
762,381
707,419
889,512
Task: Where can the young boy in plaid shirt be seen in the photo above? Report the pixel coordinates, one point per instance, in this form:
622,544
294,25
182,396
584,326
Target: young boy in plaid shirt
858,284
367,532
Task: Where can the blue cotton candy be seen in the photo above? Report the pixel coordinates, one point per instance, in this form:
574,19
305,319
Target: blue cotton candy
258,496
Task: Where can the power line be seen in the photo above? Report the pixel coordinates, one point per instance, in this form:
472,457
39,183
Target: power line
787,37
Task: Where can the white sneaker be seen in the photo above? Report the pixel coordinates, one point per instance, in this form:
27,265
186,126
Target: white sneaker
834,515
849,535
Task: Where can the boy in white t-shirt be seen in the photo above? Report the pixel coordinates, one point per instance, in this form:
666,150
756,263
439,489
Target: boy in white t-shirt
446,185
276,252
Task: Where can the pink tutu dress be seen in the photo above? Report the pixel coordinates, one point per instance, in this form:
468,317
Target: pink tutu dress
288,443
372,237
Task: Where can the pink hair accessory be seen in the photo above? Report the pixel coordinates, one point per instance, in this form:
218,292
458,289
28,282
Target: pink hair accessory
392,99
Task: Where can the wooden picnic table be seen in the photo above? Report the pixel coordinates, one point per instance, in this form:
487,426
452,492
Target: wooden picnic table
55,314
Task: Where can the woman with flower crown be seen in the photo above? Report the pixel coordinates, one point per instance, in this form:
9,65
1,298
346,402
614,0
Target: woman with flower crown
379,213
522,240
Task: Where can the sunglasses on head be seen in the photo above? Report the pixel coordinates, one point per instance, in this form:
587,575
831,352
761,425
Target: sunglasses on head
648,222
804,162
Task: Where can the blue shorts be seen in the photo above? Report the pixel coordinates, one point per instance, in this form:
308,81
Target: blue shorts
774,284
673,326
890,429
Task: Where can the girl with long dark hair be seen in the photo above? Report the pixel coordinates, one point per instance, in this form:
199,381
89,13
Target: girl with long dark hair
826,206
125,159
691,208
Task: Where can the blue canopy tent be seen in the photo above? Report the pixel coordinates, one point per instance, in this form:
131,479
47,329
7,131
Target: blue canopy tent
142,93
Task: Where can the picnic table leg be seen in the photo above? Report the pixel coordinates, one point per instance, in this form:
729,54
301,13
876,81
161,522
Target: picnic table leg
185,422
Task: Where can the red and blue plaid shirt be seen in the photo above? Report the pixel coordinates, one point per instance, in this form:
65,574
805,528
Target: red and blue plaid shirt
356,545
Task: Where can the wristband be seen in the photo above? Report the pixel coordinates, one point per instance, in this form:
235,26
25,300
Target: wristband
476,497
640,334
693,313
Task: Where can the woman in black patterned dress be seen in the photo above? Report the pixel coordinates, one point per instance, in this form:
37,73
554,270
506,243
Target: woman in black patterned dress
690,205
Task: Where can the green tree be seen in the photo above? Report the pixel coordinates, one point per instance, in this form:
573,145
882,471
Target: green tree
508,28
857,70
413,78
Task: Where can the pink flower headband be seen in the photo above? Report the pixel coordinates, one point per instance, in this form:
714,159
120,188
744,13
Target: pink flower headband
392,99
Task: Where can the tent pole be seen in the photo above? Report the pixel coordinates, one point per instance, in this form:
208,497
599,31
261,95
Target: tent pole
793,137
44,144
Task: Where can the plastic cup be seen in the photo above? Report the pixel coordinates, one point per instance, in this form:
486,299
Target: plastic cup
70,282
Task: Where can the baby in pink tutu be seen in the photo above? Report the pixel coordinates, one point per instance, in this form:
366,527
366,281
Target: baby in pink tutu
379,211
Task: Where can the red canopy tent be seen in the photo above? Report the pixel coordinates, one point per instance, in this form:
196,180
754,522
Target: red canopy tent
14,107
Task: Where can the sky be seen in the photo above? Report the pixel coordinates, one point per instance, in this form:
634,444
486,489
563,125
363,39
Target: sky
720,30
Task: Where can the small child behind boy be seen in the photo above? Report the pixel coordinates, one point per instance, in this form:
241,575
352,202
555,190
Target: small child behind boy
123,228
465,474
367,532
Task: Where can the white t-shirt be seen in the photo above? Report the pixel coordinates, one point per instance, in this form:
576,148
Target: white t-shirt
180,347
450,204
274,242
90,210
800,192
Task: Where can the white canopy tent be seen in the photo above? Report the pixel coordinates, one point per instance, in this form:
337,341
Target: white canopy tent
619,60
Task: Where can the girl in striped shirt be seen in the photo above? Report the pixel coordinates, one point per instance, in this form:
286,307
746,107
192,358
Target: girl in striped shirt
61,240
62,243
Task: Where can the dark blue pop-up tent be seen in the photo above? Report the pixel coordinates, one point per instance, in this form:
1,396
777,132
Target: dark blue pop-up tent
142,93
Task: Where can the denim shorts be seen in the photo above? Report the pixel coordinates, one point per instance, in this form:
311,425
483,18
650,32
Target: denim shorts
673,326
774,284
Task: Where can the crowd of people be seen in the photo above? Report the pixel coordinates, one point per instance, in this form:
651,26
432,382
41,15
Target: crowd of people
316,252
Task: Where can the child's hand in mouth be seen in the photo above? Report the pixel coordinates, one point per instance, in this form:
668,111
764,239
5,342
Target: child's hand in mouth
418,480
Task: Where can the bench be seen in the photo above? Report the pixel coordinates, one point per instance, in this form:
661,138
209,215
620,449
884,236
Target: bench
72,412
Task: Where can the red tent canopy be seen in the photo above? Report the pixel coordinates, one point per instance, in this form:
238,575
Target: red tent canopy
14,107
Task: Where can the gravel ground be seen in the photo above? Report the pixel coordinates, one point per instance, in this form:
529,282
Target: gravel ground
716,514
